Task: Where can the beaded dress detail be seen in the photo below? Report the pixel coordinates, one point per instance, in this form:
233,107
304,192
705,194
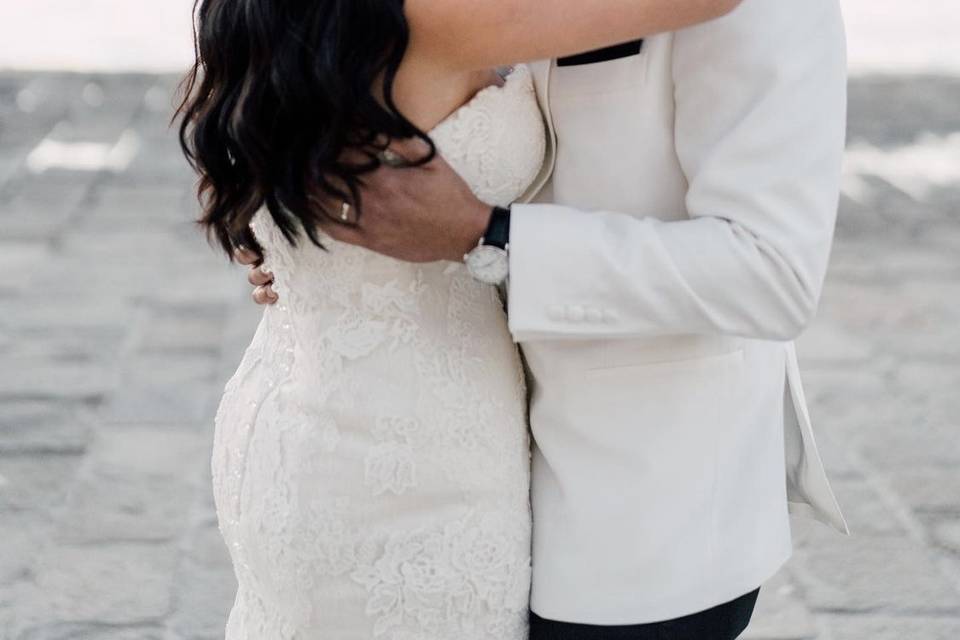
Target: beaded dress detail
371,456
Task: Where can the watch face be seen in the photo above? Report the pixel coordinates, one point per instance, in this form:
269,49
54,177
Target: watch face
488,264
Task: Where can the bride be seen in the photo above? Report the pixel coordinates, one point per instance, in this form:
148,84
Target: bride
371,458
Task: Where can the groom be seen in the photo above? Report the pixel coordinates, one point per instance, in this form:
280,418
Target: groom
672,248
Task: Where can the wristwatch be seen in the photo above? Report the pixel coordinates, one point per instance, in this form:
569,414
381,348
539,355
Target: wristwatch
489,262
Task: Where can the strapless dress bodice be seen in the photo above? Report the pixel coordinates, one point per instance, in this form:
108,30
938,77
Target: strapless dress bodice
495,142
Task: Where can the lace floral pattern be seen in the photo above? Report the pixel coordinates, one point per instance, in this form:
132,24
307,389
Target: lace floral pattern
371,461
469,568
390,464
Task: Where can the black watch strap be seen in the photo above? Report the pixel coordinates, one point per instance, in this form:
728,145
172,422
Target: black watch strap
498,230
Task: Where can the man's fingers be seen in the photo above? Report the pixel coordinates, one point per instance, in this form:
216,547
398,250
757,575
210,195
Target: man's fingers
410,149
344,233
246,257
258,277
265,295
354,156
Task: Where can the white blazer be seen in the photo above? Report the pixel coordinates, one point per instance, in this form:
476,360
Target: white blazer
677,245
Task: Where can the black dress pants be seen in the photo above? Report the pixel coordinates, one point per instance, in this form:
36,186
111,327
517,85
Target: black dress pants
723,622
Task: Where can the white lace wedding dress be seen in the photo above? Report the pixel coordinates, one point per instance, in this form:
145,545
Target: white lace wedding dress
371,456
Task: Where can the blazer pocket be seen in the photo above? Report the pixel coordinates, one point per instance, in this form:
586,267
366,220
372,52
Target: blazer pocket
666,366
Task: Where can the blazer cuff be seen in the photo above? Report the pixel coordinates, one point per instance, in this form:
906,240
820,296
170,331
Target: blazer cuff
540,306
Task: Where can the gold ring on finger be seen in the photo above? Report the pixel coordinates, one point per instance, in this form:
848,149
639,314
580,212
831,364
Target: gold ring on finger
391,158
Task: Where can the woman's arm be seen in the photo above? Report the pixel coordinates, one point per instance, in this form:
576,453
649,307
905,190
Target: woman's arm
478,34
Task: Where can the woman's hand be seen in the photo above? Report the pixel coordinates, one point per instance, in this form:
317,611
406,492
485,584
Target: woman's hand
261,280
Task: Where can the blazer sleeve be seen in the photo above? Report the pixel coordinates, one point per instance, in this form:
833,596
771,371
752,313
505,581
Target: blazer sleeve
760,123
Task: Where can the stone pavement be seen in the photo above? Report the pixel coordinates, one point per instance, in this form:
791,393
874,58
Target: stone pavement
118,327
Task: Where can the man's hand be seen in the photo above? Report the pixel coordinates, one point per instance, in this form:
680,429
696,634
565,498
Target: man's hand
262,281
415,214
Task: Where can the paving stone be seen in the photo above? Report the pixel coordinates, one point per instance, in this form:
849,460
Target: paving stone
856,305
865,511
85,345
930,379
207,584
48,95
827,344
70,631
835,452
65,276
928,488
911,440
947,534
846,402
167,214
911,104
862,573
109,584
102,108
6,339
890,628
24,535
159,168
137,484
193,328
19,259
950,564
154,450
119,246
925,321
120,202
780,613
108,506
164,389
32,427
35,482
211,285
932,261
45,379
35,216
81,309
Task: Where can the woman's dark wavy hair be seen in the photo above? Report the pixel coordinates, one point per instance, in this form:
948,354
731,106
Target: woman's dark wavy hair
279,91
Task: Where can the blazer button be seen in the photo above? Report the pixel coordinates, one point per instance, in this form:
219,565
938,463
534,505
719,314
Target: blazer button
594,315
576,313
556,313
